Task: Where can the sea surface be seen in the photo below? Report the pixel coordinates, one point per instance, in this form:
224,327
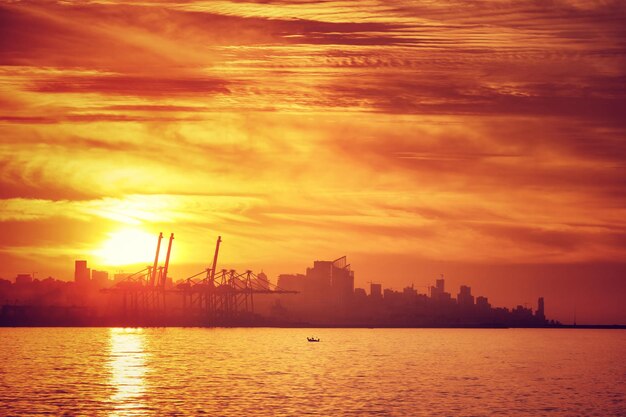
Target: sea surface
276,372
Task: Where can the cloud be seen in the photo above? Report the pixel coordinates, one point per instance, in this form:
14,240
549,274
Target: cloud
132,86
452,130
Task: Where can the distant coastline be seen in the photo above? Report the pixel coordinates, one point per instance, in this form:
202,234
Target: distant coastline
569,327
258,322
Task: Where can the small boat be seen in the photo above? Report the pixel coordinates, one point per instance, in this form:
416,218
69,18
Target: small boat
313,339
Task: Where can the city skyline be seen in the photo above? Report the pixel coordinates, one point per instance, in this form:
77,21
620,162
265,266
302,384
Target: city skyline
341,286
324,296
518,289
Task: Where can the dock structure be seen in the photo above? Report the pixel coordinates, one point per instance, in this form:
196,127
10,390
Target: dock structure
210,297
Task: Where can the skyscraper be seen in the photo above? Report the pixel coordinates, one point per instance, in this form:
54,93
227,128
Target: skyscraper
376,291
465,297
440,285
540,314
81,272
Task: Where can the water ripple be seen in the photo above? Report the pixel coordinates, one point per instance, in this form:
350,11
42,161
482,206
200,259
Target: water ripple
275,372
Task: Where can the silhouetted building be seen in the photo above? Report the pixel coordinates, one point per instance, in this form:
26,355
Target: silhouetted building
331,278
263,281
81,272
23,279
409,294
540,314
325,292
342,280
482,303
465,297
440,284
376,291
318,278
521,314
326,296
393,300
291,282
438,294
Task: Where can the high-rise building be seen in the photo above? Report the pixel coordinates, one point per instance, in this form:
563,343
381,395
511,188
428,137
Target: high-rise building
22,279
540,314
437,292
263,281
318,278
342,280
291,282
482,303
331,278
440,285
465,297
376,291
409,294
81,272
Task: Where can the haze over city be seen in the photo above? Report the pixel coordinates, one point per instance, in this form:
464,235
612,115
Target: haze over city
481,140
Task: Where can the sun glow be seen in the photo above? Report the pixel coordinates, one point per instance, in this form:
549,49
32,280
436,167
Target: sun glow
126,247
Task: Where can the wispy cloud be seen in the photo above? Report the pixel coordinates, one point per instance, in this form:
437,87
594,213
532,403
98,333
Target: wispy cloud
453,130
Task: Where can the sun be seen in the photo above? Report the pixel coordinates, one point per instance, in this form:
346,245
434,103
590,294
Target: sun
126,247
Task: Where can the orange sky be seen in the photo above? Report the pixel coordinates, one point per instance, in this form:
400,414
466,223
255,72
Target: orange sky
481,138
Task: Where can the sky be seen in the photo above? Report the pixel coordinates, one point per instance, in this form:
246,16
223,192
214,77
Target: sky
481,140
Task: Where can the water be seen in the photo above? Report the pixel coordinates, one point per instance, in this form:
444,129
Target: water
274,372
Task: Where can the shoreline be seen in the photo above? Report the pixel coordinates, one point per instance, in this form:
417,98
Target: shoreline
309,326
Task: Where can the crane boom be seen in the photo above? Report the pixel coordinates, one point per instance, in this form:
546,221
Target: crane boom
167,261
217,250
156,261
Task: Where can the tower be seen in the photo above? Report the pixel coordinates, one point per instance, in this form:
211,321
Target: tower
440,285
540,313
81,272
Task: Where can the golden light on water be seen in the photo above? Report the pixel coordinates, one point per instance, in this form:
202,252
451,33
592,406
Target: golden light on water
128,368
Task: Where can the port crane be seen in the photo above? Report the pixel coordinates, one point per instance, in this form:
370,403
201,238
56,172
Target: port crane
209,296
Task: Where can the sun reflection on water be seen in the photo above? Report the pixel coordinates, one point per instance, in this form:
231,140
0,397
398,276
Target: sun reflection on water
128,367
